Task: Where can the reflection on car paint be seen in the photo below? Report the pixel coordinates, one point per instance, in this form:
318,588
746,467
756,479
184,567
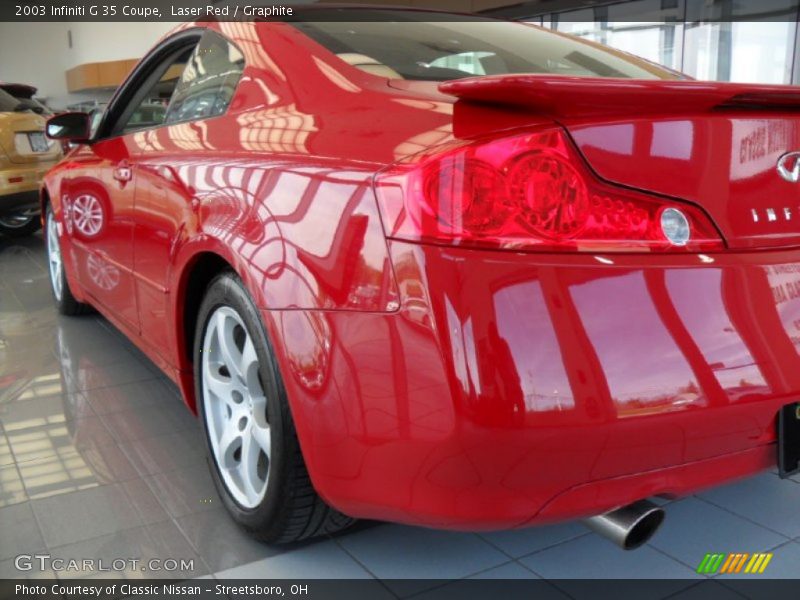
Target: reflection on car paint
435,385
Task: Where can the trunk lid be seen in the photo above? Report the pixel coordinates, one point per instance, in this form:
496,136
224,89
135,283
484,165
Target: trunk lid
717,145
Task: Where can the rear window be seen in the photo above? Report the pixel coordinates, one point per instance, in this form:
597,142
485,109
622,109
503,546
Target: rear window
34,105
415,45
23,100
7,102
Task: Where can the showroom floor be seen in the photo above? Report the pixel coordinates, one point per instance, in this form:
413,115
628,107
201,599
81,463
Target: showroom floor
99,458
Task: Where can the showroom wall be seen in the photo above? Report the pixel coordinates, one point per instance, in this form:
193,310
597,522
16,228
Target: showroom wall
45,64
42,65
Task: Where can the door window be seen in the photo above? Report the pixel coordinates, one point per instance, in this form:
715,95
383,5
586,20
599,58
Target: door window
150,109
196,81
208,82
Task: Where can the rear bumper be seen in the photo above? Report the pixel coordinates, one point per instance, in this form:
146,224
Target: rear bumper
19,187
511,389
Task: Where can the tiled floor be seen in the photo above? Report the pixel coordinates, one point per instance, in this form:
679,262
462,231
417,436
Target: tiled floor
99,458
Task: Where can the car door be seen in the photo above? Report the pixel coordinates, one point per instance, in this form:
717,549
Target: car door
97,198
168,158
99,191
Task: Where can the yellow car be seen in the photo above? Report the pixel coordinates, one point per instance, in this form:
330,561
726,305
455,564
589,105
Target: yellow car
25,156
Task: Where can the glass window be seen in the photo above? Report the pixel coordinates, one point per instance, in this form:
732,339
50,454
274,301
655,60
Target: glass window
469,62
436,50
651,29
657,42
723,40
96,115
24,94
747,52
152,107
208,82
7,102
736,10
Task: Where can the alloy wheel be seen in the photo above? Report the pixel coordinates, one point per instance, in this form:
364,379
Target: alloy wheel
54,256
87,214
235,407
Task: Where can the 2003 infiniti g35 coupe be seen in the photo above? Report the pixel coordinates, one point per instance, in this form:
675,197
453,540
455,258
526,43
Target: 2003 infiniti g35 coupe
444,270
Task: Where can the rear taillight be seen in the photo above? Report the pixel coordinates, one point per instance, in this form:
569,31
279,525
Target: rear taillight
533,192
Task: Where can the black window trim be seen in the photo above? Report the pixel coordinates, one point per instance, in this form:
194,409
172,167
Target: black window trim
140,82
194,120
144,76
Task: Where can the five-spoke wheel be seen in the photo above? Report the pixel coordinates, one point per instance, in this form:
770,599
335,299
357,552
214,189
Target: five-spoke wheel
54,256
236,407
253,451
62,294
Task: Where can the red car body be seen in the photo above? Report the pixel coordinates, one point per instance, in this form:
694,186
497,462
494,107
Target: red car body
455,385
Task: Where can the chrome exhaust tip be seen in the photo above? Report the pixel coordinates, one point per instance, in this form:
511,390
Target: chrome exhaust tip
630,526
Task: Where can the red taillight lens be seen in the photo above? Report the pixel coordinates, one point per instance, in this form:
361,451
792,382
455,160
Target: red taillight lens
531,191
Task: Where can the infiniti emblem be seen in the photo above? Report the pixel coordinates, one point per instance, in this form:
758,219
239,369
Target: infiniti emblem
789,166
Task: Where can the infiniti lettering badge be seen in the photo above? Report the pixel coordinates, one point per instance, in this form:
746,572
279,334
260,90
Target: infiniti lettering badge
789,166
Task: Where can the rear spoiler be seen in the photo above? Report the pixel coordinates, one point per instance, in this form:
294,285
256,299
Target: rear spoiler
562,96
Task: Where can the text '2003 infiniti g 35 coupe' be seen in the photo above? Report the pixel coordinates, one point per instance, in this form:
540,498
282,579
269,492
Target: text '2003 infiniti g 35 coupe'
444,270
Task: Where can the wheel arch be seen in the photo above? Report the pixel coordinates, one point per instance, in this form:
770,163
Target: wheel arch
198,262
198,269
195,278
44,200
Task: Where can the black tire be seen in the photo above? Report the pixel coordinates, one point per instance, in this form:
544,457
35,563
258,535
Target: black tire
23,228
66,304
290,510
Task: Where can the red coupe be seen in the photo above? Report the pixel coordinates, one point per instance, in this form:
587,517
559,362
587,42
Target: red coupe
444,270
